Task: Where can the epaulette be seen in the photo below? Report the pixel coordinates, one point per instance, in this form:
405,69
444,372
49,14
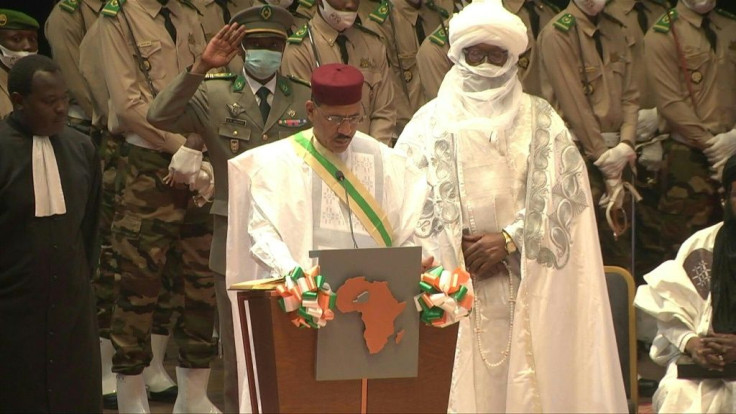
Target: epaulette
552,6
220,76
69,6
439,36
565,22
239,83
431,5
299,81
307,3
284,86
664,22
112,8
365,29
191,5
299,35
726,14
613,19
381,12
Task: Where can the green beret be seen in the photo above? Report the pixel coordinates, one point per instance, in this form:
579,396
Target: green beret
264,20
15,20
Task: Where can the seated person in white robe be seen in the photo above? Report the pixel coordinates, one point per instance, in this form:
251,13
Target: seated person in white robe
694,300
288,197
504,174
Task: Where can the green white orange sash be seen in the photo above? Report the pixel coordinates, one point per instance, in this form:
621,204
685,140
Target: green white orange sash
362,203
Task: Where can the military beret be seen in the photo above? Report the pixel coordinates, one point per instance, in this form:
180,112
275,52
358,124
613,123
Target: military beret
264,20
15,20
337,84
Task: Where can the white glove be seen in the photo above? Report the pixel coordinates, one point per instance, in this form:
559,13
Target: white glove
204,182
185,165
720,147
613,161
614,188
651,155
647,124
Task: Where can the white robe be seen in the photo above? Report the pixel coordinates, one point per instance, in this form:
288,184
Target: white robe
531,181
683,313
279,210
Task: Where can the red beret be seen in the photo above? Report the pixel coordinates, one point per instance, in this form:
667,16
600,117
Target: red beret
337,84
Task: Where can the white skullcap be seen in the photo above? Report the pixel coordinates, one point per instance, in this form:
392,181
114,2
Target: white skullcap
486,21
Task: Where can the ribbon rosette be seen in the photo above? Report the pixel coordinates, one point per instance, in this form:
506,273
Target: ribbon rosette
307,298
445,297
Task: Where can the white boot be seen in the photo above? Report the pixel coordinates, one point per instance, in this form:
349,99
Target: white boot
132,394
158,381
192,396
109,380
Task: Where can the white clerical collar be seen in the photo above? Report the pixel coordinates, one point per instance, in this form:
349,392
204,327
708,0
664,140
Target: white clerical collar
49,196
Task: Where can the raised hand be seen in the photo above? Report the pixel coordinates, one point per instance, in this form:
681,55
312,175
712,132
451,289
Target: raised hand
221,49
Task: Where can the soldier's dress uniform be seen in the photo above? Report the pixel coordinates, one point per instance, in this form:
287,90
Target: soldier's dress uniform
304,52
309,8
595,93
688,198
224,110
155,227
217,13
432,55
11,20
403,26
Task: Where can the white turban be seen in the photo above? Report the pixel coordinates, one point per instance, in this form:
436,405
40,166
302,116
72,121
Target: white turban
486,21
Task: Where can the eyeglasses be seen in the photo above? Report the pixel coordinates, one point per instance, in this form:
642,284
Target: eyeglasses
338,120
476,56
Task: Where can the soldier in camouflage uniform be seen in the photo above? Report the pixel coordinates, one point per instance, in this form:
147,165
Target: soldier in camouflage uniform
225,110
157,229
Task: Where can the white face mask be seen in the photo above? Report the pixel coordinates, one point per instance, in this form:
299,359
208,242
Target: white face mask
280,3
700,6
338,20
591,7
9,57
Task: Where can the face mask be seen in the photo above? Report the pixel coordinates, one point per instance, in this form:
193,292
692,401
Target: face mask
280,3
338,20
591,7
9,57
262,63
700,6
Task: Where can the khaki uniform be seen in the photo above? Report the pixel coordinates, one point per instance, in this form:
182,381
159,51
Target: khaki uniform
433,62
594,95
65,28
686,198
365,8
366,52
624,10
396,24
6,106
155,227
213,18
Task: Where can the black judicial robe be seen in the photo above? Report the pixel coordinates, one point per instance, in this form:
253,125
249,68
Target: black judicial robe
49,345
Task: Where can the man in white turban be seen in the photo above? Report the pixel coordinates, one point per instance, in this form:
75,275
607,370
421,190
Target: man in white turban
509,200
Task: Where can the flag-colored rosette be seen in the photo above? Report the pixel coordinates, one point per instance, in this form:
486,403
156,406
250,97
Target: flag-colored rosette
446,296
307,298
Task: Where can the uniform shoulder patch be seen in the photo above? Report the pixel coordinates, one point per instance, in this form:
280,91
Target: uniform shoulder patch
239,83
112,8
299,35
307,3
431,5
365,29
724,13
665,22
69,6
221,76
299,81
283,85
565,22
552,6
380,13
439,36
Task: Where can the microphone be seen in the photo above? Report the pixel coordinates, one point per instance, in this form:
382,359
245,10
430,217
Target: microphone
341,178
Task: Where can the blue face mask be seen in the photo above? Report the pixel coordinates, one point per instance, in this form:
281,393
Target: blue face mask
262,63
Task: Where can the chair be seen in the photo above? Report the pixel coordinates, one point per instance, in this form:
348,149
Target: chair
621,288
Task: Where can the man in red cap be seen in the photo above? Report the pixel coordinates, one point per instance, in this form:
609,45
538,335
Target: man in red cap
299,194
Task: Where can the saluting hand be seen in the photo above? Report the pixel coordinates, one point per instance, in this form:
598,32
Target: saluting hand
221,49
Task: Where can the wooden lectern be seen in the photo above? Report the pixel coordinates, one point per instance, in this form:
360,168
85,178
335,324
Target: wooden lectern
285,359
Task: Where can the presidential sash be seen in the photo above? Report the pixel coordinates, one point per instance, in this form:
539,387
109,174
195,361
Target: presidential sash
361,202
